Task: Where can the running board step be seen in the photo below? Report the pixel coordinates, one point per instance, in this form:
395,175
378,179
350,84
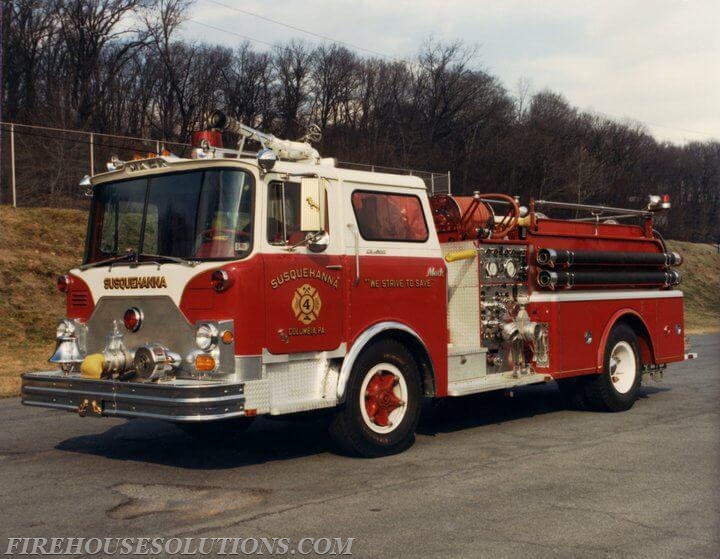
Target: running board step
490,382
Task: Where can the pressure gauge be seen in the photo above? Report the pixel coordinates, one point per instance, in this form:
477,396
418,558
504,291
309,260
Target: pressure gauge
510,268
491,269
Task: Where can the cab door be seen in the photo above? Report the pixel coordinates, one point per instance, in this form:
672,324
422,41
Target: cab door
303,288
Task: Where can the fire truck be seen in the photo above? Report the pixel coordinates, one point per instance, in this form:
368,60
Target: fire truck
231,284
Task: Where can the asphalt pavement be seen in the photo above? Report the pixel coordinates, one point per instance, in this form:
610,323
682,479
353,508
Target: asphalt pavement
488,476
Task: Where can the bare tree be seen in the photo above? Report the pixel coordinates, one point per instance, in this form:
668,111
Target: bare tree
122,66
247,85
293,65
333,76
86,28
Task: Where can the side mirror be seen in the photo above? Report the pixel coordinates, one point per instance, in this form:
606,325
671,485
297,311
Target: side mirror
319,242
312,202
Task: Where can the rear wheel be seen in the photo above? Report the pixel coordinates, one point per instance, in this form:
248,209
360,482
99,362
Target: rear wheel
382,403
617,387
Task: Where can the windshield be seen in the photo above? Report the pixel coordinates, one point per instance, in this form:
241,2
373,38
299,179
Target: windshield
196,215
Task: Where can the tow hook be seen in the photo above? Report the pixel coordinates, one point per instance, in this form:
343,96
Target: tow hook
94,408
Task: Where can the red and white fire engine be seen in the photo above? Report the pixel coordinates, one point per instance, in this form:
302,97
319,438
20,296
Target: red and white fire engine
231,284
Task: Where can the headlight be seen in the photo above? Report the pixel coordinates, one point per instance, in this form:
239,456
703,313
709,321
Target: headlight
65,329
206,336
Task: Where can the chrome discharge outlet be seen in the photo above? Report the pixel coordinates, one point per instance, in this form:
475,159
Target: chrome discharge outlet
116,356
153,361
522,330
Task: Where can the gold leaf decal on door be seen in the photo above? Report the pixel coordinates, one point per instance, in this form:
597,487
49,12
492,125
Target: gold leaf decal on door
306,304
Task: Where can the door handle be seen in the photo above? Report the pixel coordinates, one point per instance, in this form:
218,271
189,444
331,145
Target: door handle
334,267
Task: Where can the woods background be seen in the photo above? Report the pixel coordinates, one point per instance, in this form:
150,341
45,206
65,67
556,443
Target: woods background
122,67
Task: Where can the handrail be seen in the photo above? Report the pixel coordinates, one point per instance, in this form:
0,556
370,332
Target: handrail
592,208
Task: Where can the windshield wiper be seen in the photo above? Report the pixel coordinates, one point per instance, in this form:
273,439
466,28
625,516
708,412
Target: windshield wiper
111,260
183,261
134,260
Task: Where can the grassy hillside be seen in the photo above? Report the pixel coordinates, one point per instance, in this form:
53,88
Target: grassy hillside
701,285
38,244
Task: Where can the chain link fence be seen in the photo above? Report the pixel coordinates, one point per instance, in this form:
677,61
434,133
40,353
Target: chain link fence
42,166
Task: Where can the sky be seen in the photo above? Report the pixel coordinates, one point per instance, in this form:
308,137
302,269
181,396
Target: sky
657,62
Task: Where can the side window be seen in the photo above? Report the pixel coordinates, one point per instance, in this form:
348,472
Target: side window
283,223
284,207
382,216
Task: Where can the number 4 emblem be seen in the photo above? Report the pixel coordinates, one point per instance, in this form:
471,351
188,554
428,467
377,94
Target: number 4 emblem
306,303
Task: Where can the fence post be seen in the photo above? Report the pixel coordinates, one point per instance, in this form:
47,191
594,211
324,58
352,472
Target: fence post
449,184
432,183
12,164
157,148
92,154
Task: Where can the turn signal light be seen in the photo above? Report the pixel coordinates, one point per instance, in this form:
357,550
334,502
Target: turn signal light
63,284
227,337
204,362
220,280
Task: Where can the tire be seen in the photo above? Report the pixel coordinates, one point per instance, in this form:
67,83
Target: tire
227,429
382,402
617,387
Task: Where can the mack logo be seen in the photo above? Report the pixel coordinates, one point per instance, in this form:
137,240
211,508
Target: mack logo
435,272
143,282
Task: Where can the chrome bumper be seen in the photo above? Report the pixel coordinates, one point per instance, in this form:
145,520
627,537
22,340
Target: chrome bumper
180,400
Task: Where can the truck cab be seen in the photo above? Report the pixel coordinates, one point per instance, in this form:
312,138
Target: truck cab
228,285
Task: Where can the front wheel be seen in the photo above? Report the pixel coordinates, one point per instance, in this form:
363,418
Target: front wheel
617,387
382,403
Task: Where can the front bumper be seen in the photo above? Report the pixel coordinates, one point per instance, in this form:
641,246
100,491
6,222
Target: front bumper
179,400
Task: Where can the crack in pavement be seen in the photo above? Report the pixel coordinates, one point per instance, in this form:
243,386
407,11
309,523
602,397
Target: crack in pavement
491,464
622,518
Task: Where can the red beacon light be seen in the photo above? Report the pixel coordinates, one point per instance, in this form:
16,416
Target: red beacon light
63,284
220,280
132,319
204,142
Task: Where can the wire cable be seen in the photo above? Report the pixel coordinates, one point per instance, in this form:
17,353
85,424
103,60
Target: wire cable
301,30
230,32
377,53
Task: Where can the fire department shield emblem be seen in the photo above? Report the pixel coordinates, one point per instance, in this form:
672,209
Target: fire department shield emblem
306,304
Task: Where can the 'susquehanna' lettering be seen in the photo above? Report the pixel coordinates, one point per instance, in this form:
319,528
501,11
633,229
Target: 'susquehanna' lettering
301,273
143,282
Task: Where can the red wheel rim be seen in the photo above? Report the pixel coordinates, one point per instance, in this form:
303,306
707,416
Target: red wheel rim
380,398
